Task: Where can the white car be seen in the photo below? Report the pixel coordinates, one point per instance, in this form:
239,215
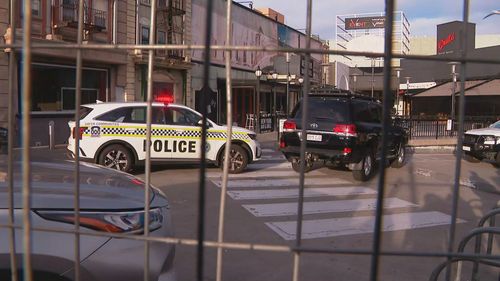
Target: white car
483,144
114,135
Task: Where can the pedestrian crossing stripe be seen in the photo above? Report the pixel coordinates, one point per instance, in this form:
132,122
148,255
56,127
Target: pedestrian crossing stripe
324,228
278,182
321,207
290,175
294,192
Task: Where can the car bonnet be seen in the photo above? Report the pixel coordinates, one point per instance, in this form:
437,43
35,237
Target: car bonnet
100,188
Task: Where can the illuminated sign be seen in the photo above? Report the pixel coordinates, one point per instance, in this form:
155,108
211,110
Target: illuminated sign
364,23
441,44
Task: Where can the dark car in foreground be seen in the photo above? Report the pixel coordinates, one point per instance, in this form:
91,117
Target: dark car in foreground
343,130
483,144
110,202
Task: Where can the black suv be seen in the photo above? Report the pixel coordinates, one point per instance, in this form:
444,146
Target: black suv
343,130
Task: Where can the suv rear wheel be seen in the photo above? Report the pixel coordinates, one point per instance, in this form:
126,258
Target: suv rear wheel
400,157
366,169
116,157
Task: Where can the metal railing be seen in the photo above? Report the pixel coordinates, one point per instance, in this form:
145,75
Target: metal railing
91,17
297,248
439,128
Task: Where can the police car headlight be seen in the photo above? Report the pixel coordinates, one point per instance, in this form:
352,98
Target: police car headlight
114,222
489,140
252,136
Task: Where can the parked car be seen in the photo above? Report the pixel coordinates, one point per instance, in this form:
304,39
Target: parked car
483,144
114,135
110,201
3,140
343,129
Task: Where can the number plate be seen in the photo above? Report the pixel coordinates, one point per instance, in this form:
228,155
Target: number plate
314,137
466,148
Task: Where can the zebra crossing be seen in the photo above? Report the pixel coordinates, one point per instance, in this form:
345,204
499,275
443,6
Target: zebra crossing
269,191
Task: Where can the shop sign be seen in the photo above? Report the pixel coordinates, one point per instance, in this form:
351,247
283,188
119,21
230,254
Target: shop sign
364,23
445,42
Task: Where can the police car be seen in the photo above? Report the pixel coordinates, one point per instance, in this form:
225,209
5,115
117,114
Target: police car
114,135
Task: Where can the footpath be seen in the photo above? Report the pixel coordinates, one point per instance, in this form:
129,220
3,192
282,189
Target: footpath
421,145
267,140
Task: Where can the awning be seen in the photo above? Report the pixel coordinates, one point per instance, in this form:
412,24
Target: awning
491,88
444,90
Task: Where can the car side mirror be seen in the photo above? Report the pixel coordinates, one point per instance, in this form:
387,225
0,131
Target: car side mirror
207,124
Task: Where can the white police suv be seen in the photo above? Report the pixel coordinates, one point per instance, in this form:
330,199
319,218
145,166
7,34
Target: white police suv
114,135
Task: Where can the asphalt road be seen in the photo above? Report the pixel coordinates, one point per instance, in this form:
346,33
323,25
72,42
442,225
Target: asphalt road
339,213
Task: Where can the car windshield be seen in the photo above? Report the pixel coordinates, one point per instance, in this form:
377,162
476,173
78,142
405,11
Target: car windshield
324,108
495,125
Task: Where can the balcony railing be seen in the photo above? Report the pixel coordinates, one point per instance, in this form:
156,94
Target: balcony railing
92,18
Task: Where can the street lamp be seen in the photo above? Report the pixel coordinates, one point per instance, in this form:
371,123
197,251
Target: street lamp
274,75
354,79
407,91
373,73
453,89
287,82
396,100
256,100
301,81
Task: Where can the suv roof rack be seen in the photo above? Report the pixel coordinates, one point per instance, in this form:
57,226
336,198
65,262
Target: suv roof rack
336,92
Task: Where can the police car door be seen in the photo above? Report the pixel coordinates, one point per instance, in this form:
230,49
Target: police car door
185,137
135,123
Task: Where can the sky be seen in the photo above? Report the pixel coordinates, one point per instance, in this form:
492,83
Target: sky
423,15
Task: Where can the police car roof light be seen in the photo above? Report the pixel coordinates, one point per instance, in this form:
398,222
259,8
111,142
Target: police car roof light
166,99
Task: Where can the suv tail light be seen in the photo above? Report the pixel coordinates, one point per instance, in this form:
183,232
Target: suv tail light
289,126
82,129
348,130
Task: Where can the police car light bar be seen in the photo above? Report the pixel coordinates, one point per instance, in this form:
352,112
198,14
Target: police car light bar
166,99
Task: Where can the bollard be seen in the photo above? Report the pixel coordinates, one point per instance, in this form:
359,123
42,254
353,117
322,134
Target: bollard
51,135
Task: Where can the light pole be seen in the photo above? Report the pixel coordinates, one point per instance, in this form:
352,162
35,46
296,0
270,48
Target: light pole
256,100
373,73
407,91
396,100
287,83
453,90
274,75
354,79
301,80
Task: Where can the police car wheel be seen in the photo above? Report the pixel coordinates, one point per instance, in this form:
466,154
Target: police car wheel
116,157
238,159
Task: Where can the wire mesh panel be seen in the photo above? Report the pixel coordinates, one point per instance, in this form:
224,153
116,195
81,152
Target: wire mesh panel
282,208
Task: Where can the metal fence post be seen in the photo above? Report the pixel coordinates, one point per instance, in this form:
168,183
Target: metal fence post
51,135
437,128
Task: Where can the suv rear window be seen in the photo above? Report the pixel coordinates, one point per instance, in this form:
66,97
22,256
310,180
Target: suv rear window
325,108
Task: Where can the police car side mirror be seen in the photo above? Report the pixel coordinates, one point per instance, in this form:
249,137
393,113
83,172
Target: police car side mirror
200,123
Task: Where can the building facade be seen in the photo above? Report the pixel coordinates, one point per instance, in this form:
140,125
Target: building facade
365,33
482,86
53,70
250,28
171,73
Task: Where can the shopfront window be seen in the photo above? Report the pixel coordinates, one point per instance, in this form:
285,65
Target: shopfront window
54,87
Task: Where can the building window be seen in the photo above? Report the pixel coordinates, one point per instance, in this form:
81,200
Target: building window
55,90
145,35
35,8
146,2
161,39
161,3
